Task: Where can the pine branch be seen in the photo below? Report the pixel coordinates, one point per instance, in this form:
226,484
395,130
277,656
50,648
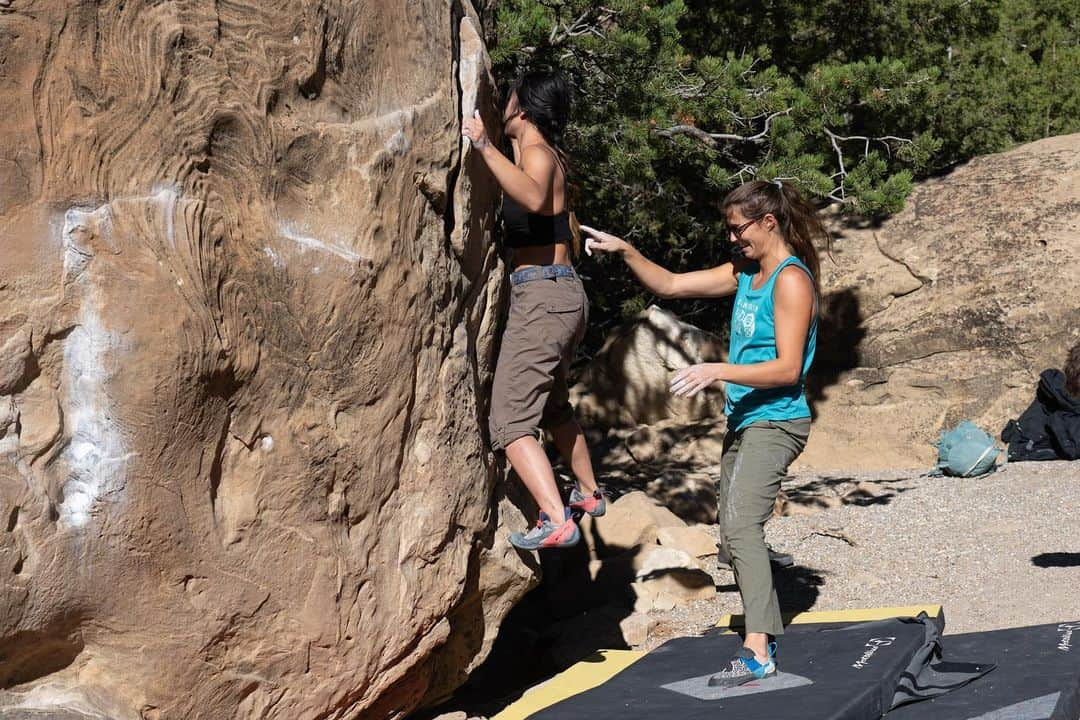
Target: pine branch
842,173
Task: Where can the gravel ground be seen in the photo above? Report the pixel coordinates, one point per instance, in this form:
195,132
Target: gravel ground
998,551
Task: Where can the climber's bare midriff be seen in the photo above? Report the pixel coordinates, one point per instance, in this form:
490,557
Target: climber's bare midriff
556,254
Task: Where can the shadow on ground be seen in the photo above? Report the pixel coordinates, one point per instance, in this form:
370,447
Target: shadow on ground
562,622
804,496
1056,559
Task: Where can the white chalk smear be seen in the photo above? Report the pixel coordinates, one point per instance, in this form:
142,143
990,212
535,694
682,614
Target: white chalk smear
314,244
275,259
51,696
398,144
96,454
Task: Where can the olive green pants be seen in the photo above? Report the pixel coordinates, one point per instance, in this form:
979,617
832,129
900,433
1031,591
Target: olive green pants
754,462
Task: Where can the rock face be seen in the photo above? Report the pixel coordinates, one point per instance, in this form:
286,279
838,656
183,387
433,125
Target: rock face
247,301
950,309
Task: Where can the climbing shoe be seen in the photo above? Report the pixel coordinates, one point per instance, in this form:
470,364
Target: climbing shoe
546,534
744,668
593,504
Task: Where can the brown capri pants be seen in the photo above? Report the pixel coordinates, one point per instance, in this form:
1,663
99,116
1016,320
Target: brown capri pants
547,321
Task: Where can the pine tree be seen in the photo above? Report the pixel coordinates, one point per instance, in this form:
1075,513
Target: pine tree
679,101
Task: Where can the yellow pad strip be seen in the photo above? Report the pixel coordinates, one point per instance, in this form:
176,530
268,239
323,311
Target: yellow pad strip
836,616
595,670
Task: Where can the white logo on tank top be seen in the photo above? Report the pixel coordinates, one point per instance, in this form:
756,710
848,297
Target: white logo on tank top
743,322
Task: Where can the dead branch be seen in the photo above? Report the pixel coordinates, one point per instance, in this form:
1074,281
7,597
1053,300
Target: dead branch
713,139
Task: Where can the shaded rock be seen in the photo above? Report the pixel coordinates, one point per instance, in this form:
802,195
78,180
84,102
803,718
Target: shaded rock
627,381
647,571
580,636
673,440
691,540
648,443
493,587
635,628
652,559
679,586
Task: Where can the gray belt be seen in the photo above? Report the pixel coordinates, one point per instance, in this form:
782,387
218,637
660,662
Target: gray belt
540,272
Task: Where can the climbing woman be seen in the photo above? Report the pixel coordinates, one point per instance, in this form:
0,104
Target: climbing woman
548,308
774,279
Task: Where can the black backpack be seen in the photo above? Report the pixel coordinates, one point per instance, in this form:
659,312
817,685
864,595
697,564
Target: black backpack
1050,428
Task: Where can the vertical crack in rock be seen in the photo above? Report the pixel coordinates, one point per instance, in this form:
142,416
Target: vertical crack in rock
458,155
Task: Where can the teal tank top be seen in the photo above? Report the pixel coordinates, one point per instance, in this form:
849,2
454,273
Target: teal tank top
753,340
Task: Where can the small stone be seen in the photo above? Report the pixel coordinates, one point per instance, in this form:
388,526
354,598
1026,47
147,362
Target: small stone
635,628
690,540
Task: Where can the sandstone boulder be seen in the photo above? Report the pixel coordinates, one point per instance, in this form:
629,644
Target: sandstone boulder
634,519
653,574
673,574
248,296
635,628
693,541
948,310
627,381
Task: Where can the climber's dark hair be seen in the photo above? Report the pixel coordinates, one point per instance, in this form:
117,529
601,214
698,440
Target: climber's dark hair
544,96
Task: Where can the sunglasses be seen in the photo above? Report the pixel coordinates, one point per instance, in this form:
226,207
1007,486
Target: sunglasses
738,231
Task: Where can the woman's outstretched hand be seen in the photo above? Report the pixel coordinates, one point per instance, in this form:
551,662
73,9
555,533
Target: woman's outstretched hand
689,381
604,242
473,128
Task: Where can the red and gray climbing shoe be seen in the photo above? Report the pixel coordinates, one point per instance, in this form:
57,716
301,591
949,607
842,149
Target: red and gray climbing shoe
593,504
548,535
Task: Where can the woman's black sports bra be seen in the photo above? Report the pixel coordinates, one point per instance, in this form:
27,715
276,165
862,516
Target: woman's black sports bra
527,229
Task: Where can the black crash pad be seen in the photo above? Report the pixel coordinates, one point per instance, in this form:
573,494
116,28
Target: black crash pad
1037,677
853,671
